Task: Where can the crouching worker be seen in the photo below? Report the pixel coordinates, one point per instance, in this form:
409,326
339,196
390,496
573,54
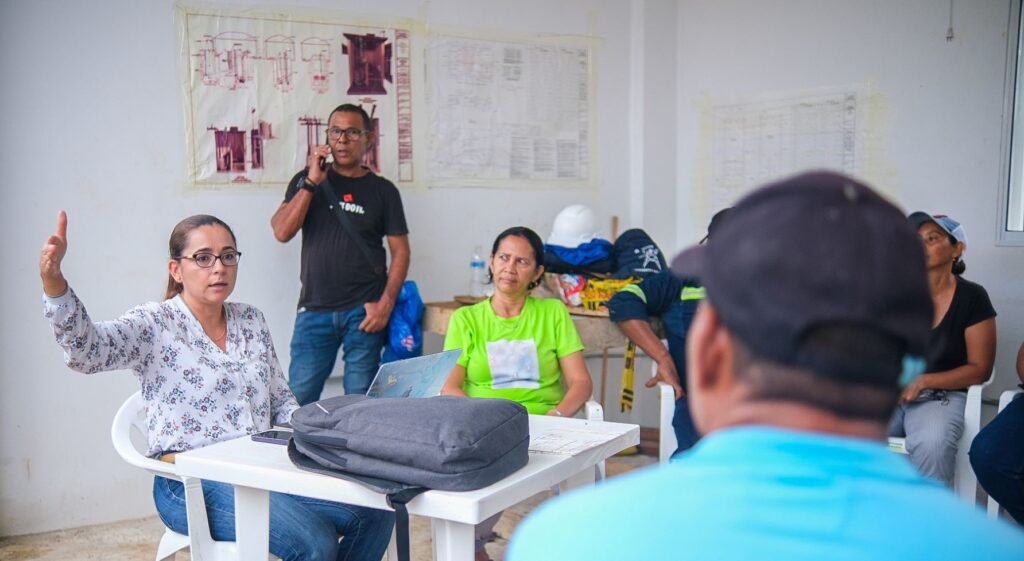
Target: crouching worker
208,373
675,301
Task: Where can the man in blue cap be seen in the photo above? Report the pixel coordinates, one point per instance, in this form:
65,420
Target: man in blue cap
816,312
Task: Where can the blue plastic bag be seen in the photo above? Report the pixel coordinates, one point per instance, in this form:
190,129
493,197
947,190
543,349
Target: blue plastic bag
405,334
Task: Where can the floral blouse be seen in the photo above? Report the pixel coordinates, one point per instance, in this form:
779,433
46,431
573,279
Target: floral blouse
195,393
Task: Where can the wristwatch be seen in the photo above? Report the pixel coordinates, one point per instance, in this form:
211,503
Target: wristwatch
307,185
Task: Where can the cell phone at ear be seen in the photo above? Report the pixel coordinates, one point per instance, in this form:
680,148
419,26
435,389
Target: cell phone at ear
326,162
273,436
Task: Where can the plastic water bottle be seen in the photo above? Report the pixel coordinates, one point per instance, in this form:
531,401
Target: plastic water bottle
477,273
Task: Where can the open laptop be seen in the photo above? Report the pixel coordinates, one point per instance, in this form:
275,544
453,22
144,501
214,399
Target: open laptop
421,376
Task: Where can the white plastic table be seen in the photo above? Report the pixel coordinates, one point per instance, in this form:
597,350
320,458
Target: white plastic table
256,468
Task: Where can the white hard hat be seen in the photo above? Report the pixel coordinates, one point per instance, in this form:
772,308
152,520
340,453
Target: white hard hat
573,226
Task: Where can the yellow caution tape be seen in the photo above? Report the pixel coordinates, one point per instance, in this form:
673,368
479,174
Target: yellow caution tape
626,400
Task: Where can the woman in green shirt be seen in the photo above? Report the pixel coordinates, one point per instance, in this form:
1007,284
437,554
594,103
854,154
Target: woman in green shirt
515,346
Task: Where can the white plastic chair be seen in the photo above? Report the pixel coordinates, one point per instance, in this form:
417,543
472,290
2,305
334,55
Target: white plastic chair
667,442
130,440
667,405
965,483
1004,399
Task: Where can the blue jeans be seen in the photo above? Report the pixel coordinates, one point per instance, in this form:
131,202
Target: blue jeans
682,425
301,529
676,320
315,342
997,457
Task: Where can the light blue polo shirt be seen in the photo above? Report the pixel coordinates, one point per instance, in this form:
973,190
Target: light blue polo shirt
765,493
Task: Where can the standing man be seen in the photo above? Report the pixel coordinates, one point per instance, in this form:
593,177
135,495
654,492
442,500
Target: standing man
675,301
347,290
817,311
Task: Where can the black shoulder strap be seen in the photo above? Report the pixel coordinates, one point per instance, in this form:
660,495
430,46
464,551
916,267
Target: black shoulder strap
398,501
397,494
335,205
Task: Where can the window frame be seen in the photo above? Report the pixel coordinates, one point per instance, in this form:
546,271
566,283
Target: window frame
1011,194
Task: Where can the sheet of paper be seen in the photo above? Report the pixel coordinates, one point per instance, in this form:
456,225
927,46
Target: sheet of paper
567,441
509,111
758,140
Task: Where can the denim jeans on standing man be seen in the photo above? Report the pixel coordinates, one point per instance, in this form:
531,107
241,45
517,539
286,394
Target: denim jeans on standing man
315,342
301,528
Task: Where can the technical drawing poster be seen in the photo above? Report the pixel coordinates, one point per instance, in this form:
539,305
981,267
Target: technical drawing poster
506,113
259,89
759,141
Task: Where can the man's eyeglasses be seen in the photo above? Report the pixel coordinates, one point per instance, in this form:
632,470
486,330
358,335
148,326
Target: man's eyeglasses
334,133
206,260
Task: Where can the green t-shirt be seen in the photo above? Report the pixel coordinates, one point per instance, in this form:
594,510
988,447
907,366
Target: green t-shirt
514,358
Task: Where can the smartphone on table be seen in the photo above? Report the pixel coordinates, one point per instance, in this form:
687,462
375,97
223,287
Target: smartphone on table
275,436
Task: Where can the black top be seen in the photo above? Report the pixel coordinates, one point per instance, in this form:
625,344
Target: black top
334,271
947,344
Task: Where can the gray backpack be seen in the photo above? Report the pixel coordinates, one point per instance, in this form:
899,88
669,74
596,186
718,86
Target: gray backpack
403,447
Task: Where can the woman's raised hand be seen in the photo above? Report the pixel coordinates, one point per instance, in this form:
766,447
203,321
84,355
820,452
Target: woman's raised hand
52,254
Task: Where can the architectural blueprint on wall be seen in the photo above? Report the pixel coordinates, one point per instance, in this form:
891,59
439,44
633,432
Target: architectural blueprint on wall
759,141
259,89
507,113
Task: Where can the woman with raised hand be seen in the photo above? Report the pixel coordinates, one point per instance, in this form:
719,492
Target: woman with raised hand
515,346
208,372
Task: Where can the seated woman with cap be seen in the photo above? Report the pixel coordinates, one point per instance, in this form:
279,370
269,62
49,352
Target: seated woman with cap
961,351
515,346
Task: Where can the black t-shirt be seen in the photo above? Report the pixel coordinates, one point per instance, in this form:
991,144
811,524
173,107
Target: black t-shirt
947,344
334,272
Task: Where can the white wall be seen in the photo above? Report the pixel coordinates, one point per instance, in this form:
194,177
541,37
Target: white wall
93,123
940,108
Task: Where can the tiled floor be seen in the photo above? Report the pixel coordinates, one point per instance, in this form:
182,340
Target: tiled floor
135,540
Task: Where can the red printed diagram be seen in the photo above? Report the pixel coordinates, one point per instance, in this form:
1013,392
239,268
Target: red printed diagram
369,63
228,60
231,146
247,85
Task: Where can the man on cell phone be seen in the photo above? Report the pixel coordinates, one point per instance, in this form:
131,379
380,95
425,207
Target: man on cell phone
344,211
